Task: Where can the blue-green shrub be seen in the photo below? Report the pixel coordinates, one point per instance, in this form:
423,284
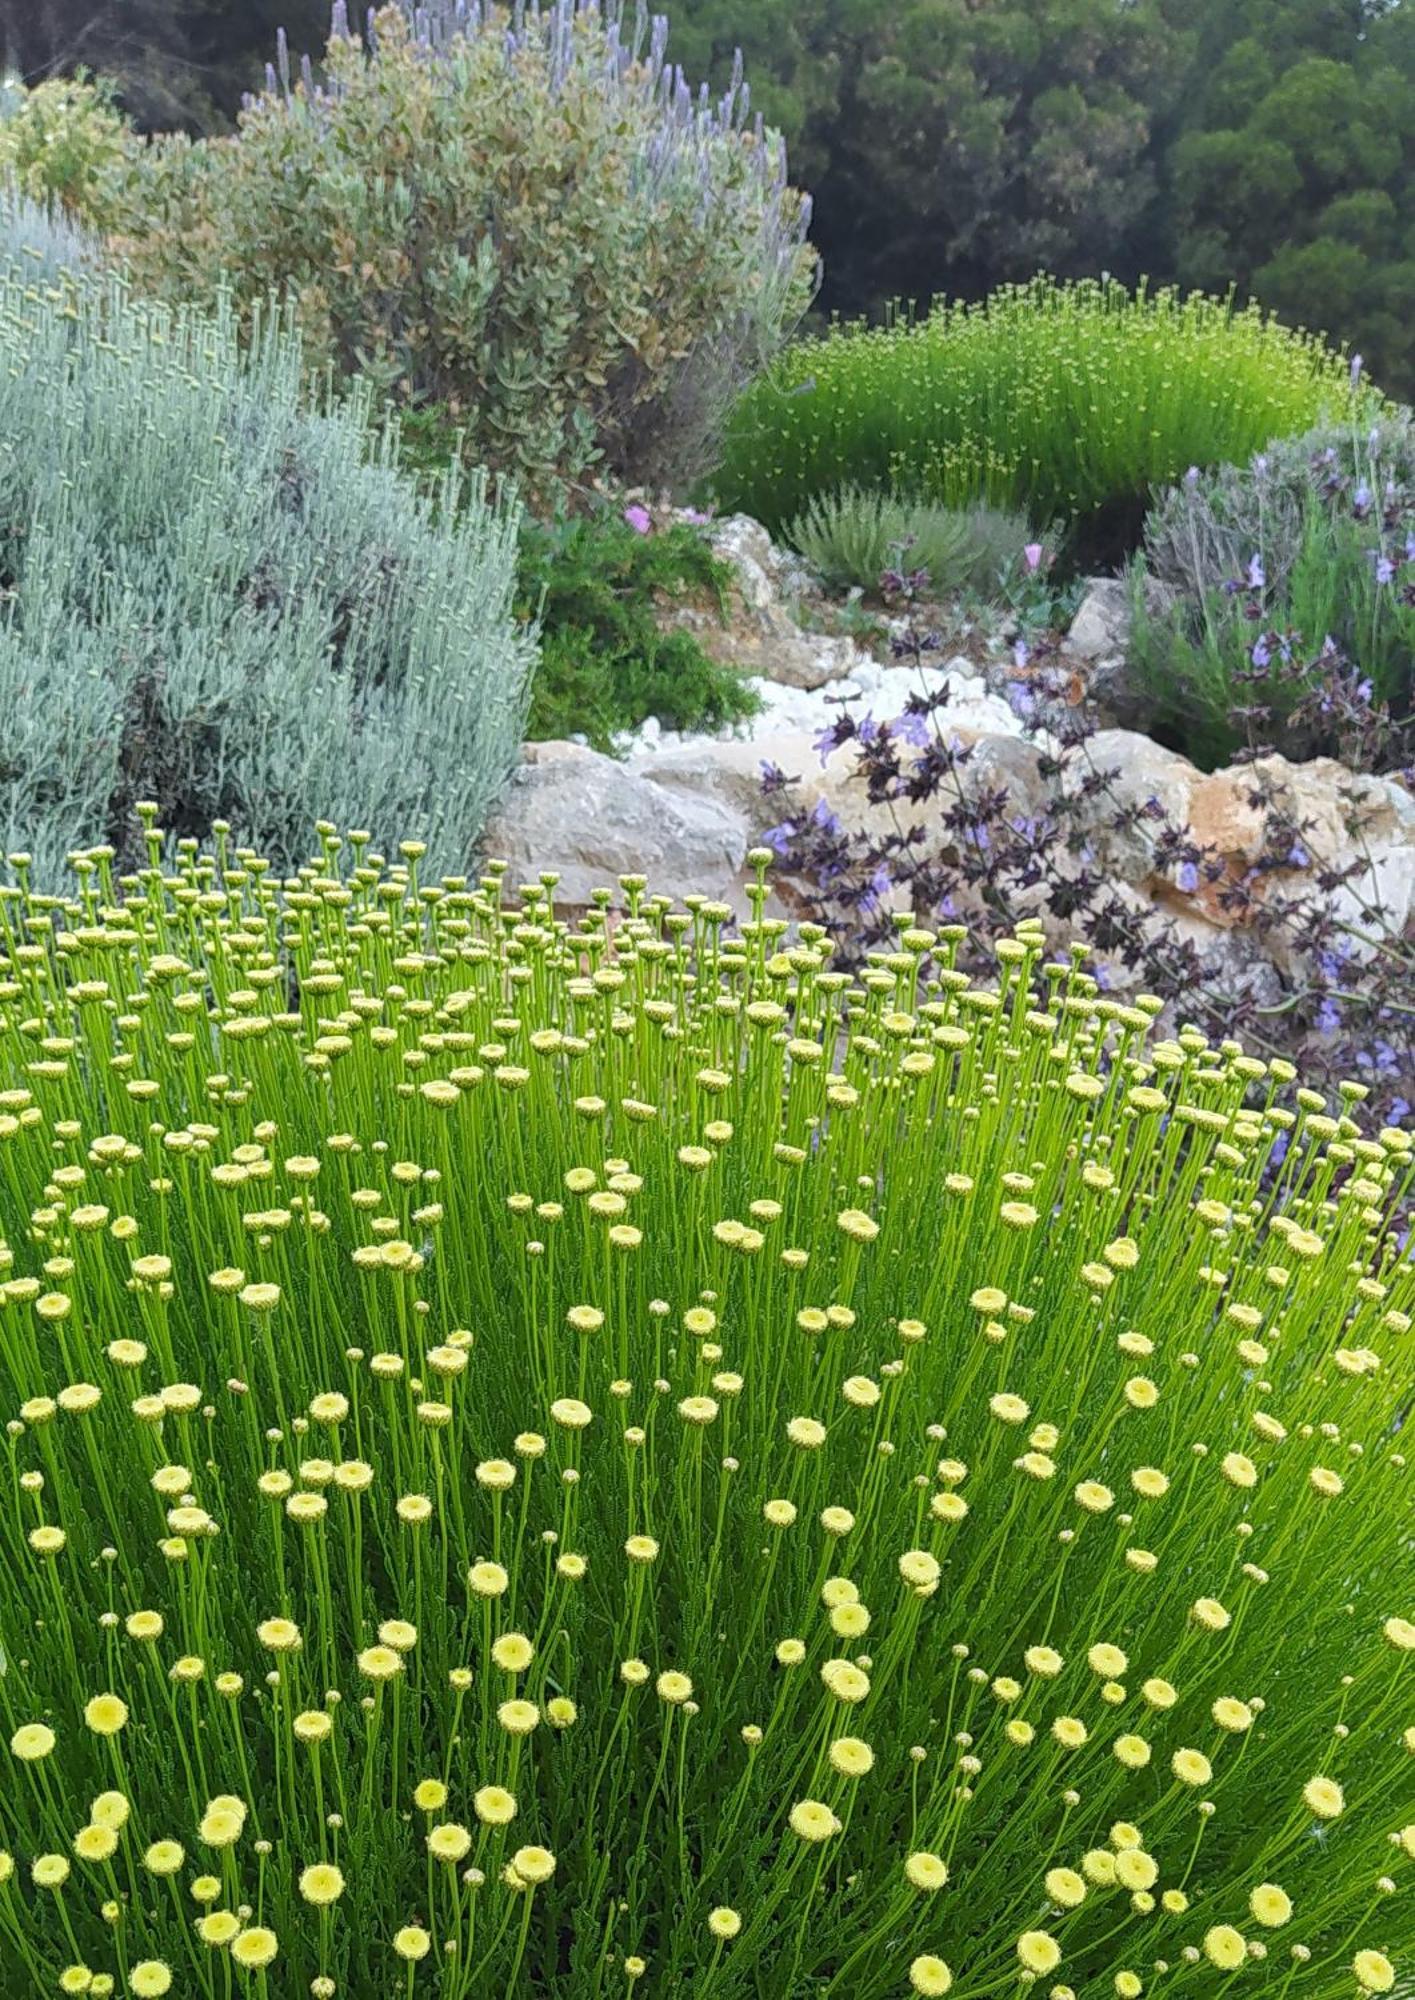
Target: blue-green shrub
211,596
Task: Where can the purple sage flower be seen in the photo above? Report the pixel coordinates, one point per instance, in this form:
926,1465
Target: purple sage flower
1187,876
1257,576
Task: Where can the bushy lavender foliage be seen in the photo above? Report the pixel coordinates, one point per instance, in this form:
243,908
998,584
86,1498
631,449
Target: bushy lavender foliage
1293,619
944,836
520,215
210,597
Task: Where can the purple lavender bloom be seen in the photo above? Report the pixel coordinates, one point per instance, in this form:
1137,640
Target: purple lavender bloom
1191,477
639,519
1385,569
912,727
695,517
867,729
1363,692
1187,876
825,743
1279,1149
1021,652
1361,499
1257,579
1262,652
1328,1017
823,817
1021,700
780,837
1399,1109
1297,856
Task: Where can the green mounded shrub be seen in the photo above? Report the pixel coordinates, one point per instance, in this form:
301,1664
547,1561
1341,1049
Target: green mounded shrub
1062,400
1295,570
210,595
66,142
598,588
852,536
524,217
602,1457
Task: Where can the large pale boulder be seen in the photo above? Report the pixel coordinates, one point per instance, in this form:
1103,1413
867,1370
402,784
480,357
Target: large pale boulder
594,819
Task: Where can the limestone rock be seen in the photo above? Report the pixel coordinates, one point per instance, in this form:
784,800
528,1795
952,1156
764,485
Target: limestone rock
593,819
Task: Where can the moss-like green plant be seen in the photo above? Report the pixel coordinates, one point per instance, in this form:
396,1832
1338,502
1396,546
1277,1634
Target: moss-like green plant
599,590
551,1459
1062,400
521,214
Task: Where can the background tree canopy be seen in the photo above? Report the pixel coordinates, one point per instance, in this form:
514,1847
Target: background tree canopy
955,144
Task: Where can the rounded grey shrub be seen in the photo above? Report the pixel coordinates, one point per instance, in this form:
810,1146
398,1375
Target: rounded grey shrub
213,597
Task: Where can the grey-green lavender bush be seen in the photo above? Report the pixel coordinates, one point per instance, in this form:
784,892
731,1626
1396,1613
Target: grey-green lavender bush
519,217
213,596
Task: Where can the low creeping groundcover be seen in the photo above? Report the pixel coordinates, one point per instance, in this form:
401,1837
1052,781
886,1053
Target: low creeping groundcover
557,1459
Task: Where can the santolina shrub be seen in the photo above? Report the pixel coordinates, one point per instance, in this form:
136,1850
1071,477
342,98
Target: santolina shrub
521,215
1062,400
209,589
546,1458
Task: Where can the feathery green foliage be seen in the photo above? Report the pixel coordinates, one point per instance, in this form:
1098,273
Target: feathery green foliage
1063,400
209,592
608,660
547,1458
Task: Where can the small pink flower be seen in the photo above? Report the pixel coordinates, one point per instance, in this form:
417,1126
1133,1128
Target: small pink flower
639,519
1033,555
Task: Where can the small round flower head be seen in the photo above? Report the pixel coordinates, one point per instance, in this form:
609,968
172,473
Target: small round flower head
1324,1797
1374,1971
218,1928
1269,1905
929,1975
1065,1887
487,1579
255,1947
32,1742
1038,1951
926,1871
533,1864
512,1652
321,1884
724,1922
380,1663
813,1821
1225,1947
494,1805
430,1795
851,1757
149,1978
449,1842
412,1943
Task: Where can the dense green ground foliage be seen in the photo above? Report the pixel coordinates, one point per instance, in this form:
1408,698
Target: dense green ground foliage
549,1462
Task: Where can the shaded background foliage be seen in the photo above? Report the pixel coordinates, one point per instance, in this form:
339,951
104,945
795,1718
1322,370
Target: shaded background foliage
952,145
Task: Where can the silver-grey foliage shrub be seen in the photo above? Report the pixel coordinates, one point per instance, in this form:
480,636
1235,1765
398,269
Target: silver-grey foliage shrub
210,597
39,240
